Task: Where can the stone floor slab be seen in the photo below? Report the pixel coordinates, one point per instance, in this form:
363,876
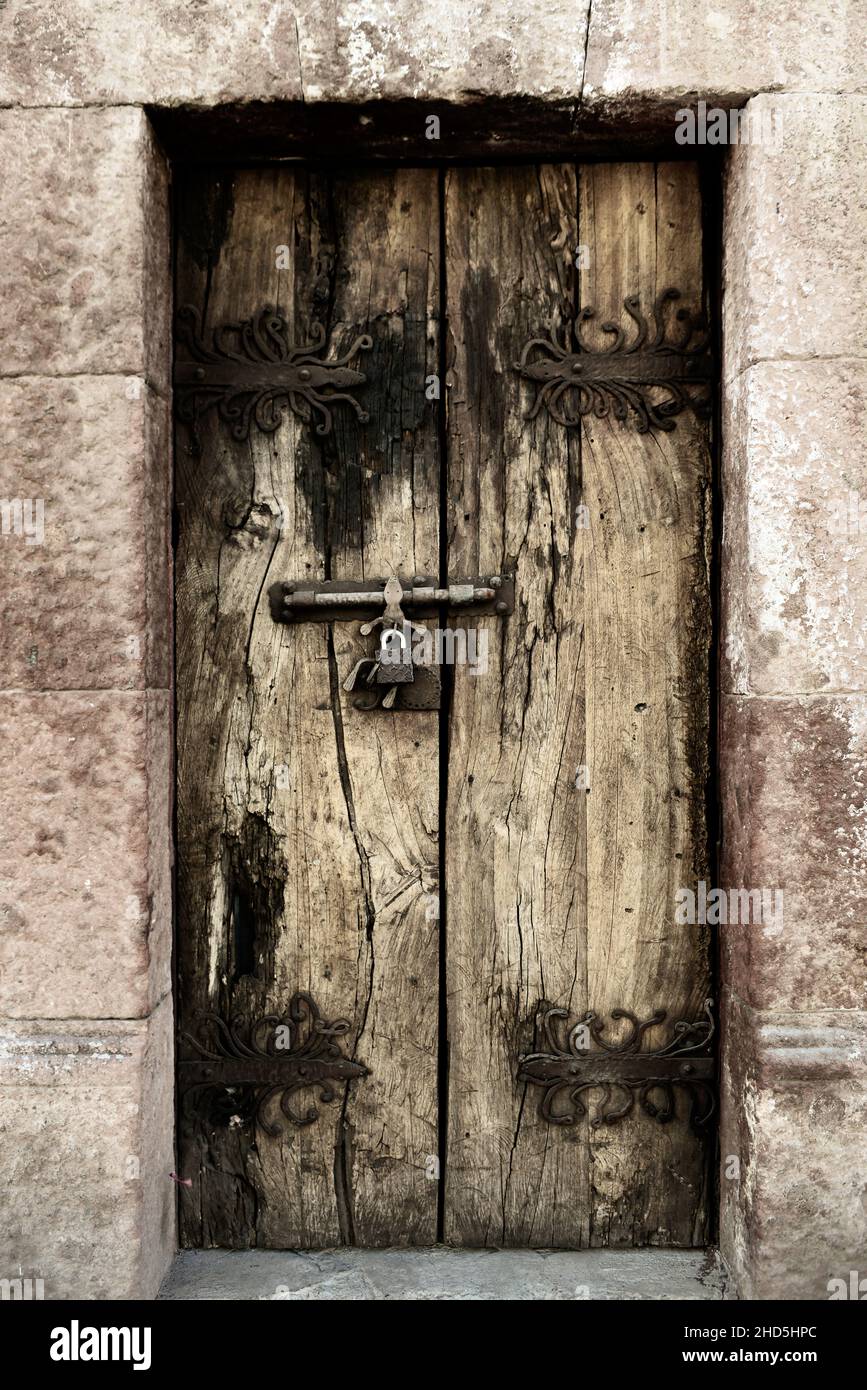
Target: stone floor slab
444,1275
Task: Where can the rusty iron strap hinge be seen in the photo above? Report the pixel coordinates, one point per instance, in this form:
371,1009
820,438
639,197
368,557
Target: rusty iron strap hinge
576,1059
252,372
249,1073
661,371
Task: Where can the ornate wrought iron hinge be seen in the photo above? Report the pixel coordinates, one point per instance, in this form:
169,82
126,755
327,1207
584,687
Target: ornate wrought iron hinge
251,372
671,358
241,1070
577,1059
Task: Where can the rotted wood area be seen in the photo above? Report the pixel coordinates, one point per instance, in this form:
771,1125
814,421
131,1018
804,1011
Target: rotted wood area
560,793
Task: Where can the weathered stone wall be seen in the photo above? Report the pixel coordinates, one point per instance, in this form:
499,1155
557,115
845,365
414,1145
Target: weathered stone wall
85,726
85,905
793,707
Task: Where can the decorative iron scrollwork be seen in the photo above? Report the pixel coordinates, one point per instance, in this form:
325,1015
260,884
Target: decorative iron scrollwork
251,372
575,379
567,1069
244,1068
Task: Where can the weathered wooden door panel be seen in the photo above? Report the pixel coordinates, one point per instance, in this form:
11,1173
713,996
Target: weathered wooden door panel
576,786
647,559
573,769
307,832
515,829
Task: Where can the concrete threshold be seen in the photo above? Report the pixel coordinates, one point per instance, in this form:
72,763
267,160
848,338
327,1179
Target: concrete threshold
442,1274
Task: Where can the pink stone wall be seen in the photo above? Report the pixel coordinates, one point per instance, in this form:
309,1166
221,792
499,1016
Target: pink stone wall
86,1069
794,698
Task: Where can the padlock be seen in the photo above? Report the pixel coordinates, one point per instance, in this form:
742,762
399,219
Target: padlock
394,660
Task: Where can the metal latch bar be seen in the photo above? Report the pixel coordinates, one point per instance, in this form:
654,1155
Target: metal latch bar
341,600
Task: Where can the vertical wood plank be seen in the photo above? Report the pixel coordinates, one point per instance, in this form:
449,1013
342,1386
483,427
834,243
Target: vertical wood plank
307,830
648,643
389,281
515,849
556,894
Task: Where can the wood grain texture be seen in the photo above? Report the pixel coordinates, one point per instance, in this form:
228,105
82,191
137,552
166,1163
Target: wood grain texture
556,894
648,650
307,831
515,851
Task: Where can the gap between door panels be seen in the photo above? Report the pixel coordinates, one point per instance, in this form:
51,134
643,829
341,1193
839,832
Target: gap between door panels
447,688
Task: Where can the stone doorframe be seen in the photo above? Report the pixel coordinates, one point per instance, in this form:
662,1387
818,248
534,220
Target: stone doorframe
92,107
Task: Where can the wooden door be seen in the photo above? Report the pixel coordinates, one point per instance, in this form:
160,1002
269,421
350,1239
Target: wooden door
439,881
